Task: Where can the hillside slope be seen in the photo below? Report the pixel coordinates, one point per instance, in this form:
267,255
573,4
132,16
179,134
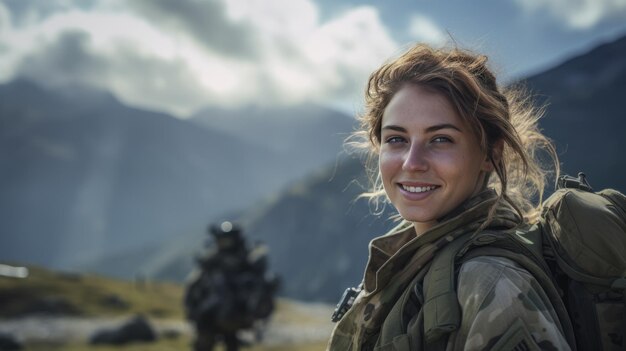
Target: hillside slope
585,115
85,176
53,310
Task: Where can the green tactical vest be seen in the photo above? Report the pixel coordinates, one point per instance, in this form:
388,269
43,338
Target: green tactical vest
577,253
398,257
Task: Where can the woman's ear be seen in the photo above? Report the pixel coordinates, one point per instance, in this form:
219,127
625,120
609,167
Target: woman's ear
494,155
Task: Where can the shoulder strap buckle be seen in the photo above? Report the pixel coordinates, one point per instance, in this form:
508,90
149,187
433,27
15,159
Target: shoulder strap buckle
569,182
619,284
344,304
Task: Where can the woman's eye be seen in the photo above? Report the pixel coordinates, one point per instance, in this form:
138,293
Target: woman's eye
442,139
394,140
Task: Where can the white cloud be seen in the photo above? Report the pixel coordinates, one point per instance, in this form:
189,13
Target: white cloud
294,57
5,26
5,18
424,29
578,14
342,52
292,18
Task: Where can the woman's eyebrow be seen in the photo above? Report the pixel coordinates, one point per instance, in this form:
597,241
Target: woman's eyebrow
442,126
428,130
394,127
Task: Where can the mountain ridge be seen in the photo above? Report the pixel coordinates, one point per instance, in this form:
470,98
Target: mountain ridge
100,177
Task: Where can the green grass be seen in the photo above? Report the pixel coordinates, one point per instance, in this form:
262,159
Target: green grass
161,345
166,345
88,295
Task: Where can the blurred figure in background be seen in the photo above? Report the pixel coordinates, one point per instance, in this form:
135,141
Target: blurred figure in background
230,289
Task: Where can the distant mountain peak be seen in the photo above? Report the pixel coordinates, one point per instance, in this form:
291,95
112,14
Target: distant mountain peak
598,67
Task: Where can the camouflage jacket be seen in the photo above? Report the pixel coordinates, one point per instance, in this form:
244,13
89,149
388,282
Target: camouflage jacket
498,299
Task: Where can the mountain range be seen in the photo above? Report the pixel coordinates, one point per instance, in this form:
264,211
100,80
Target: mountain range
585,116
85,176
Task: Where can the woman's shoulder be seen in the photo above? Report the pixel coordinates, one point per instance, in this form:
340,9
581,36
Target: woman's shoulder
495,279
491,264
498,297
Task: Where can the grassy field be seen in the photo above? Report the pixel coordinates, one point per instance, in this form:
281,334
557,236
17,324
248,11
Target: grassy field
92,296
87,295
167,345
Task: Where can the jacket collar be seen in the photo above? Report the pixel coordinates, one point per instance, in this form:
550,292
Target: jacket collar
400,243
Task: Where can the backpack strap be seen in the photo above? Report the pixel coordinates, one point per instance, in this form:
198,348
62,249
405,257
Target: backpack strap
442,314
398,330
543,278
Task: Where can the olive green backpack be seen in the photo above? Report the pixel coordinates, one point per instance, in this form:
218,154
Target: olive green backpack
577,252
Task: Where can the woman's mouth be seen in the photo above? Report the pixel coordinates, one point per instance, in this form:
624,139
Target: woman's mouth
418,189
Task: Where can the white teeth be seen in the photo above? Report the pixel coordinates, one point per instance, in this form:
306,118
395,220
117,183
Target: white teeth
418,189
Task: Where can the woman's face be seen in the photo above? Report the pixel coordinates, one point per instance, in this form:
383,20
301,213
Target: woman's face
430,160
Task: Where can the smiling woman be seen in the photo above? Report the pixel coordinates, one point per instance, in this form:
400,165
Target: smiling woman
430,160
457,156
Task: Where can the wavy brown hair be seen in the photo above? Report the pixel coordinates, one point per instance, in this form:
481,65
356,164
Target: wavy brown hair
504,119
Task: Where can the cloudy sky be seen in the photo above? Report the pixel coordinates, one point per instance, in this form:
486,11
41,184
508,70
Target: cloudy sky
181,55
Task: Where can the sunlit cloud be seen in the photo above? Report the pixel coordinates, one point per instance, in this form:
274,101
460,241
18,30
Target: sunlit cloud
424,29
578,14
206,22
182,57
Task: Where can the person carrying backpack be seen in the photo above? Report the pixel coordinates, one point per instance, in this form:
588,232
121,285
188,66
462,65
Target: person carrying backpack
459,158
231,290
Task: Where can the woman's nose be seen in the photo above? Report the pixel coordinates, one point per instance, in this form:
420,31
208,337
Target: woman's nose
415,159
